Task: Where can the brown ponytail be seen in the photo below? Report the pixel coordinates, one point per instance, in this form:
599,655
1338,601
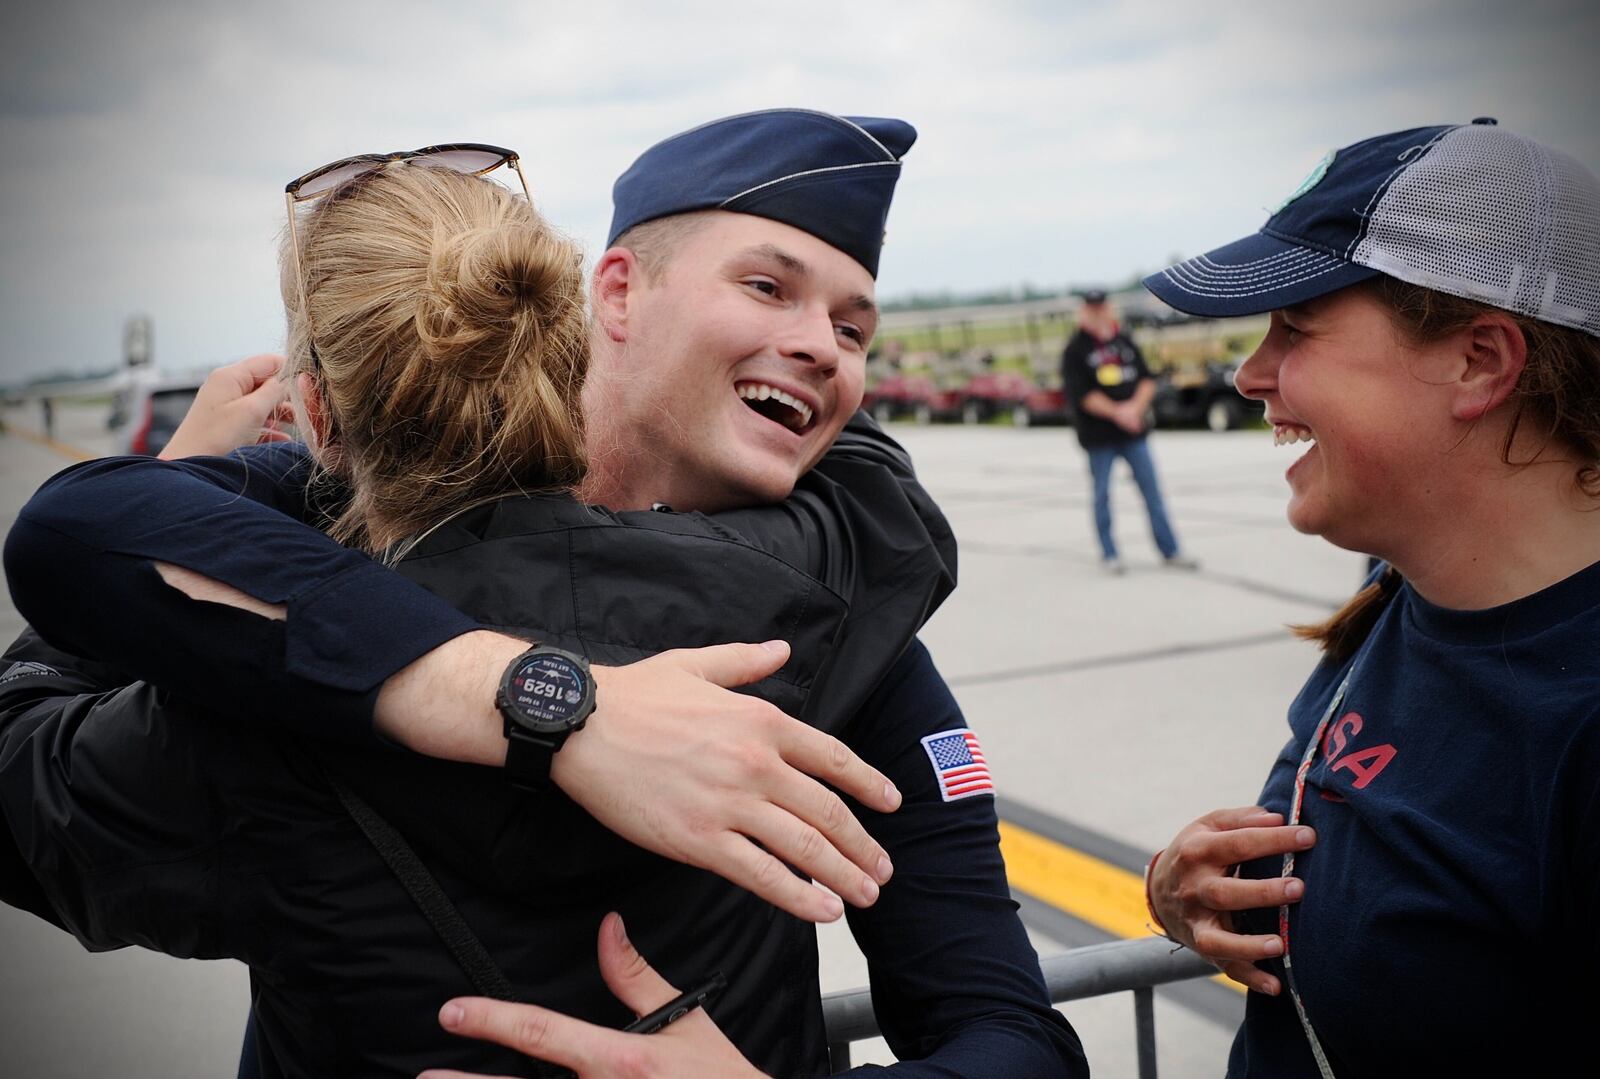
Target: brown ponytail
1341,635
451,343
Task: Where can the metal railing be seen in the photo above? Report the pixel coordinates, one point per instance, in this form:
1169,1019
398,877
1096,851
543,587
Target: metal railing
1136,966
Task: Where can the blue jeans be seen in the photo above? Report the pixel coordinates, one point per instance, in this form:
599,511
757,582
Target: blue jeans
1137,453
249,1055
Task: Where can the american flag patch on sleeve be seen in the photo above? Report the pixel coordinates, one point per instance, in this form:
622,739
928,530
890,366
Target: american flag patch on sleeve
958,764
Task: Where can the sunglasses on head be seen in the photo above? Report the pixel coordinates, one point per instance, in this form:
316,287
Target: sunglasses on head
476,158
473,158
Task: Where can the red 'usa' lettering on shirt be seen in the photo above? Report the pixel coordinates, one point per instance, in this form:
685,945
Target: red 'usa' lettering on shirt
1363,764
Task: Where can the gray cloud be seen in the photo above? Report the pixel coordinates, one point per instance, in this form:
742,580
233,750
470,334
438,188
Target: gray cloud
148,143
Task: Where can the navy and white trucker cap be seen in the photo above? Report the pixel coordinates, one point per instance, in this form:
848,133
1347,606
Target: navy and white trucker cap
831,176
1470,209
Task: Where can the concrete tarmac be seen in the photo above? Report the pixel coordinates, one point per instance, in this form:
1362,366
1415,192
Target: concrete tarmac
1121,705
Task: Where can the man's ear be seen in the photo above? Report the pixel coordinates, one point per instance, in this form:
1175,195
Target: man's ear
617,277
1495,351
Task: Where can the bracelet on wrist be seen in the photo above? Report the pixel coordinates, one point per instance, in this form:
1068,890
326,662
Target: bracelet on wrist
1149,902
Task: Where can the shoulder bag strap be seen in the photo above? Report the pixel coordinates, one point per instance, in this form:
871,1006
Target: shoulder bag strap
469,952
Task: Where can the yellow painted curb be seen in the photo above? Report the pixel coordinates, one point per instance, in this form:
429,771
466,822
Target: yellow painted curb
72,453
1106,896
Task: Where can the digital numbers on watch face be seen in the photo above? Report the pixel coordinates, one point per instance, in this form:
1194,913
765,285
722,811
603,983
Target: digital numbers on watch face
548,690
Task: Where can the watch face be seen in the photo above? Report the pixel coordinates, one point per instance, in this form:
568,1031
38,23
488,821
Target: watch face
547,692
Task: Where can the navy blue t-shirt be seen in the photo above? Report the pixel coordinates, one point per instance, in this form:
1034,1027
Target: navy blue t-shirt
1448,920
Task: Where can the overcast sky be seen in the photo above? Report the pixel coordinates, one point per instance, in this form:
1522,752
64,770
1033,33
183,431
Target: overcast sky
146,144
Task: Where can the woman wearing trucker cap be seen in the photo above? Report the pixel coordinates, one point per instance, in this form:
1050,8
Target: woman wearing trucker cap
1432,828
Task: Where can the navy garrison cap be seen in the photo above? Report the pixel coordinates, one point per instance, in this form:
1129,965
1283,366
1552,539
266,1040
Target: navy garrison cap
832,176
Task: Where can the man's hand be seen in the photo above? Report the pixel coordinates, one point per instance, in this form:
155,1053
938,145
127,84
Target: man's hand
238,405
1193,891
674,762
1128,415
691,1048
1128,418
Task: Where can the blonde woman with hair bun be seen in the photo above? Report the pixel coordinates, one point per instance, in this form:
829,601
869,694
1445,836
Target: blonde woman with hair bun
450,347
438,347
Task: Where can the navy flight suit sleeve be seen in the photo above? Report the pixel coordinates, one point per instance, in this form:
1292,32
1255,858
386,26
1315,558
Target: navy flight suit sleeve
79,564
956,983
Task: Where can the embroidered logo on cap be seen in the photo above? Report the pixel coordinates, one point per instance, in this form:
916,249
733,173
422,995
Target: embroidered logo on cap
1313,178
958,764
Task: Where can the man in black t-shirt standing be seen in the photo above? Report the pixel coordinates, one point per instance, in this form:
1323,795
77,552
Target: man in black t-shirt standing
1110,388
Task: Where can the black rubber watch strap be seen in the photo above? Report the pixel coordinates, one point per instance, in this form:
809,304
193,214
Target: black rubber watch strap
528,760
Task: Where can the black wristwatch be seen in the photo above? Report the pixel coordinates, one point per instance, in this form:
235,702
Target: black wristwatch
545,695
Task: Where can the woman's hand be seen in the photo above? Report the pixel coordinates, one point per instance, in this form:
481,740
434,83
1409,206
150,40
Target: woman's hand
1193,890
239,404
691,1048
